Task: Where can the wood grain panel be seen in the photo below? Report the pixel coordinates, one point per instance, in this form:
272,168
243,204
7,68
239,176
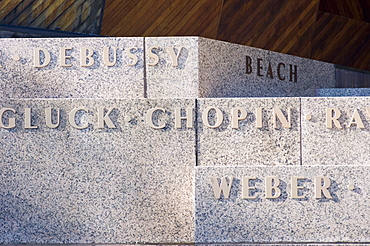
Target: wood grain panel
161,18
66,15
6,6
342,41
335,31
347,8
284,26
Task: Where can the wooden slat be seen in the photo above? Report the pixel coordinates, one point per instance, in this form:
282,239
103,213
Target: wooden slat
284,26
68,15
361,59
113,9
165,18
176,15
55,9
147,18
6,6
211,23
162,17
36,10
13,16
341,41
126,14
209,12
189,15
142,13
347,8
67,20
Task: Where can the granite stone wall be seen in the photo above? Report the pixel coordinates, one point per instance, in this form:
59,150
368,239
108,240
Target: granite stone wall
168,142
168,67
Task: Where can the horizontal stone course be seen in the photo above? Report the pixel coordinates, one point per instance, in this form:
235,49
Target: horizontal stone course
110,174
346,145
248,144
153,67
284,219
20,79
231,70
124,185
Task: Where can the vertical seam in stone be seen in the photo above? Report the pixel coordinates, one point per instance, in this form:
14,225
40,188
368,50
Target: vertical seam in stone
196,133
300,131
144,62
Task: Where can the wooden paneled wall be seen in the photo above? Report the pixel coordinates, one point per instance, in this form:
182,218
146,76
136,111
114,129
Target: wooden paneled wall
82,16
336,31
161,17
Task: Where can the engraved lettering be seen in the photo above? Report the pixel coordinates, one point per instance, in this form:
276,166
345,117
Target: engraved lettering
104,119
279,71
248,65
330,118
11,121
259,67
37,59
153,56
132,56
237,114
48,118
149,118
173,55
106,55
28,119
246,189
269,71
224,187
72,118
188,118
293,73
219,117
285,122
272,187
322,184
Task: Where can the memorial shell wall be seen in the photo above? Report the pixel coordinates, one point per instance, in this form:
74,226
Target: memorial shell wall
177,140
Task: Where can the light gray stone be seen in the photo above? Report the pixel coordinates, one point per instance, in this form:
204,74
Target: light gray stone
132,184
343,92
223,72
20,79
210,68
249,145
345,218
163,79
346,146
205,68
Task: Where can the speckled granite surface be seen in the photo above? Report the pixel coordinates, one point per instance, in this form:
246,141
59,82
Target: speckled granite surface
249,145
163,79
223,72
345,218
135,185
132,184
211,68
173,67
20,79
343,92
322,146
